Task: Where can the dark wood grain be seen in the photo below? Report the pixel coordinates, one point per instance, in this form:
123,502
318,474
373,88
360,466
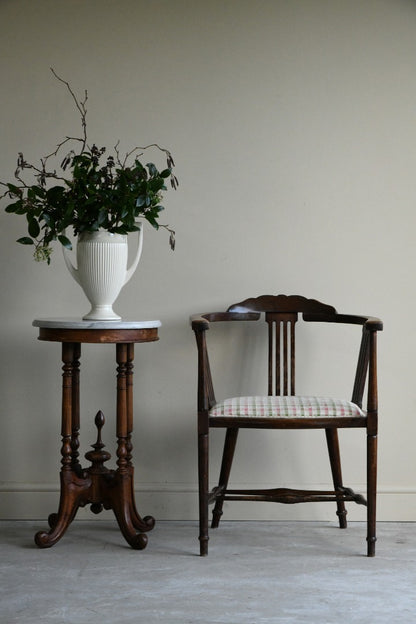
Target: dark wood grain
282,313
107,336
97,485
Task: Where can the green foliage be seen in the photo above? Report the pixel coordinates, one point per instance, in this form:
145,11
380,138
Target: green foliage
94,191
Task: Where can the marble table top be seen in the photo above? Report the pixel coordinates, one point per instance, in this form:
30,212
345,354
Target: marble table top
77,323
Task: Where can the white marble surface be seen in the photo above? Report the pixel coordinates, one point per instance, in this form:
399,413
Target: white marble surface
77,323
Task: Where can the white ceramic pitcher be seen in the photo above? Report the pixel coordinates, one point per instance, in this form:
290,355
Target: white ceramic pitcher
102,269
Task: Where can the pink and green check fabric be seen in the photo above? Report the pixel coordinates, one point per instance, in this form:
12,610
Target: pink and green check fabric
286,407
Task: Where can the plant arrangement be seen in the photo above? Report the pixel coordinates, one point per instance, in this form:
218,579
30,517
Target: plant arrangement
91,190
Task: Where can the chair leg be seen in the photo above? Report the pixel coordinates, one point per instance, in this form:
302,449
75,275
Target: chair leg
203,466
371,494
227,460
335,460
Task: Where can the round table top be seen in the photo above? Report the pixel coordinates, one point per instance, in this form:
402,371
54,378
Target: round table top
77,331
76,323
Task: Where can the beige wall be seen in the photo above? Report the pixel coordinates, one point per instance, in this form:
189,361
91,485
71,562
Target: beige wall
293,126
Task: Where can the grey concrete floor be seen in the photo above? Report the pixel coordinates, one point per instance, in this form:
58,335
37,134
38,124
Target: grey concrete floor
288,573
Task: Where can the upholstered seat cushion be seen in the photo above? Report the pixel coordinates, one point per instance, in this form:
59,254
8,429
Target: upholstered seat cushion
286,407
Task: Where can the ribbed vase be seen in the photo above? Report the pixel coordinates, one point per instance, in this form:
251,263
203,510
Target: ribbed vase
102,270
102,266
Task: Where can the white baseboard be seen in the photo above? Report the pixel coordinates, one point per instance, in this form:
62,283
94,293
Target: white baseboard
179,501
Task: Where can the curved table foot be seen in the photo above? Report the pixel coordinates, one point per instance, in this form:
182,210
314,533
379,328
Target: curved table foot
130,522
143,524
136,540
59,524
73,492
140,524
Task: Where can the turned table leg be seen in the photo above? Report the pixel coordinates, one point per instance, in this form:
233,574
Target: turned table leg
148,522
122,500
76,466
73,487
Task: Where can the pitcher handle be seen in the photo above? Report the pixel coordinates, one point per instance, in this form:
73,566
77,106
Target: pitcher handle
133,267
70,266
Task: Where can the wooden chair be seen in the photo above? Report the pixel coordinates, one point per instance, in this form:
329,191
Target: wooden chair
281,408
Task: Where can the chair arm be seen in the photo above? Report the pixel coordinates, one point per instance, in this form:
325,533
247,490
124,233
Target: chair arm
200,322
366,364
371,323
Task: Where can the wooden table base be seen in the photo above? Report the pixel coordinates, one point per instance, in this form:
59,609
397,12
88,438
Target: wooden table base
102,489
97,485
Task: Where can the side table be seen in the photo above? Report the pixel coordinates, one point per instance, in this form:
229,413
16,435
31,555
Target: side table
97,485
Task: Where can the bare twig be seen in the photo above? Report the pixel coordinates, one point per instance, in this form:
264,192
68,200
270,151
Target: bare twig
58,147
5,192
172,233
79,104
117,152
42,174
170,162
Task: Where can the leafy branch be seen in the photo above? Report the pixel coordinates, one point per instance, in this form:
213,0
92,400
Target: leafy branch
93,191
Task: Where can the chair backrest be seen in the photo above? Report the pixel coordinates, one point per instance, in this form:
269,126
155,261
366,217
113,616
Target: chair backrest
281,315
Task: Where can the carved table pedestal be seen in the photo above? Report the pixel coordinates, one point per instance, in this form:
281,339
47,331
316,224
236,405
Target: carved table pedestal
96,485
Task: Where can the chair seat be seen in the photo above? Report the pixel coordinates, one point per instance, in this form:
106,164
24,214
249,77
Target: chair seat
286,407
